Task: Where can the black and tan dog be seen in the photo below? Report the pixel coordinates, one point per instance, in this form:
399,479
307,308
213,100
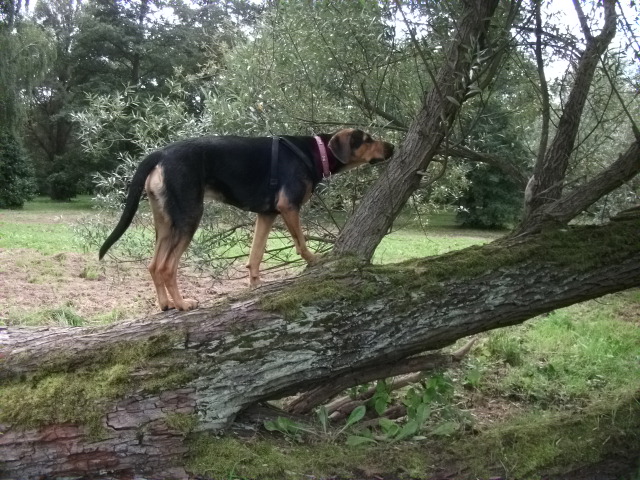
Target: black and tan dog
265,175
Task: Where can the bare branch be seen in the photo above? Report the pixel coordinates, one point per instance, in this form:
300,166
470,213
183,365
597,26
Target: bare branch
516,174
551,171
583,20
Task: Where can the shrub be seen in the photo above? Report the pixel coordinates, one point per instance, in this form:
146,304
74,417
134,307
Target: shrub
492,200
62,186
17,184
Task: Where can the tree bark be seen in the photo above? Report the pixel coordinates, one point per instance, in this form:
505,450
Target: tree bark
331,323
382,202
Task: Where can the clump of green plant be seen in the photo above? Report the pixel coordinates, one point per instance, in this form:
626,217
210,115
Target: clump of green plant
54,394
506,346
555,441
63,315
429,400
429,412
182,422
78,398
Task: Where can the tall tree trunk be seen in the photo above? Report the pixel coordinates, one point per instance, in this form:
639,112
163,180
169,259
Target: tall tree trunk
382,202
202,368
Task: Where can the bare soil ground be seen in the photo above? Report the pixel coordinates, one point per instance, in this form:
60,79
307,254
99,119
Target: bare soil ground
31,282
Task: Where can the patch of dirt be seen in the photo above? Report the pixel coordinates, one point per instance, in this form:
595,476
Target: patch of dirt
32,282
20,216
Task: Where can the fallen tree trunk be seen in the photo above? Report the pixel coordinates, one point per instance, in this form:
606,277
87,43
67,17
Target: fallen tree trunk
123,397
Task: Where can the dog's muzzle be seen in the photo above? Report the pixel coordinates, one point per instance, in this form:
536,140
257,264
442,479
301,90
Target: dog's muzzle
388,152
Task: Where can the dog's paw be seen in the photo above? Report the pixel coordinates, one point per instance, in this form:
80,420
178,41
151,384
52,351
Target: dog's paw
254,282
312,259
189,304
165,306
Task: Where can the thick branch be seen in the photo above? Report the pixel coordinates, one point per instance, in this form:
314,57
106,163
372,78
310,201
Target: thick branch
573,203
507,167
544,89
343,319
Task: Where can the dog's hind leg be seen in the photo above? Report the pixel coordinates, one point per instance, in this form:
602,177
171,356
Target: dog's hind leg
171,242
264,222
168,252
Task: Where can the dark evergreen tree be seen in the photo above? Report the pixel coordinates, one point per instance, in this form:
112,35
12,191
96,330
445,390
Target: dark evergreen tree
17,183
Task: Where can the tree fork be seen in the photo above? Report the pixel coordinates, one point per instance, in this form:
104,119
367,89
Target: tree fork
384,200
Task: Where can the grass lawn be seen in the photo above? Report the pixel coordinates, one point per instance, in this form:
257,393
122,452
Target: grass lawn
530,401
43,225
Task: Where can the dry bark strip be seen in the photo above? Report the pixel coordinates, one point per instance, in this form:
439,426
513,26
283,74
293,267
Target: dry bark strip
241,353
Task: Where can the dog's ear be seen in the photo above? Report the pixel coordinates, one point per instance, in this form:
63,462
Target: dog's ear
340,145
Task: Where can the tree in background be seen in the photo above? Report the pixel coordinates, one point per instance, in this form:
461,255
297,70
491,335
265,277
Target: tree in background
105,47
24,57
314,69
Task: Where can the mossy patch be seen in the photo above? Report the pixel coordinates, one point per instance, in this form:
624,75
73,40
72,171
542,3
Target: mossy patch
308,291
579,248
347,279
59,393
79,398
182,422
267,458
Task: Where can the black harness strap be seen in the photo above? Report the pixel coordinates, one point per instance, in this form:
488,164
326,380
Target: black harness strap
275,153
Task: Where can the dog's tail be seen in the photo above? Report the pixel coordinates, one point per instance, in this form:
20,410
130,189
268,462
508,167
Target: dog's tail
133,200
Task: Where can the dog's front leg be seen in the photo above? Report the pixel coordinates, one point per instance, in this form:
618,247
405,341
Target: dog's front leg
264,222
291,217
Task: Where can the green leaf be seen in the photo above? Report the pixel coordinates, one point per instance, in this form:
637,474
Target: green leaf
389,427
408,430
323,418
271,426
380,405
355,440
446,428
356,415
423,411
286,425
453,100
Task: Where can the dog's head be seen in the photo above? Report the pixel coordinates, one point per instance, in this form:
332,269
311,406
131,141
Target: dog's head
354,147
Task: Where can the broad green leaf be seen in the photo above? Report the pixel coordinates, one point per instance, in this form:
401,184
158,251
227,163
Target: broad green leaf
389,427
408,430
380,405
356,415
323,418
